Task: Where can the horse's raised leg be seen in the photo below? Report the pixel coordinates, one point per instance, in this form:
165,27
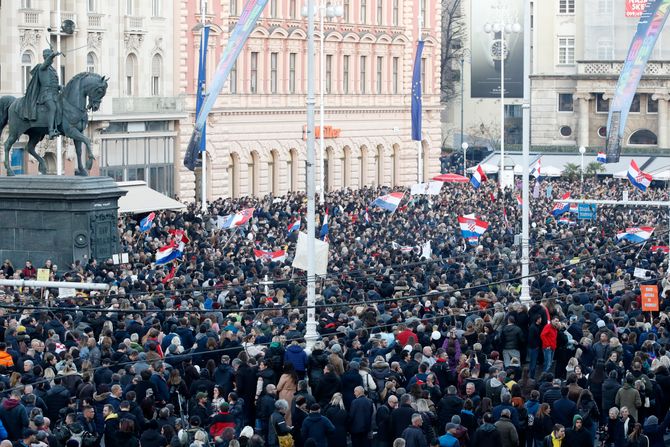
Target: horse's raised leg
11,139
78,138
35,138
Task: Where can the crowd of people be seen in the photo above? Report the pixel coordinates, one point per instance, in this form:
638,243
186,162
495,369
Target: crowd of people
413,349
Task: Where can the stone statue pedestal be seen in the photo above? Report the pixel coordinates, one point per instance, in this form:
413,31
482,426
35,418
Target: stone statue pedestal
59,218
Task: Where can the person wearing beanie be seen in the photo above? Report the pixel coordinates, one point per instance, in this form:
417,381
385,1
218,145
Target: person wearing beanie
317,427
577,436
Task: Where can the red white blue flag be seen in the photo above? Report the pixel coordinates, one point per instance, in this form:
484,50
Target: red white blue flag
640,179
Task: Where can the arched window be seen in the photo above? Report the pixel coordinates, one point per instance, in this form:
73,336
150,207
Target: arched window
26,66
363,166
380,164
91,62
643,136
131,75
273,173
156,71
346,168
233,175
252,174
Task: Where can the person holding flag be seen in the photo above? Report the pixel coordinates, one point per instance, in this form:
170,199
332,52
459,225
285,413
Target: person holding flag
478,177
640,179
323,234
561,207
145,224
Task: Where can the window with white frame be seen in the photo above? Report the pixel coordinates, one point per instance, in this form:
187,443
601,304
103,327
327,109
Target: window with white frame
329,72
380,12
233,78
253,85
26,4
605,6
273,9
233,7
380,67
91,62
364,11
566,50
26,66
605,49
566,6
292,10
130,7
131,75
91,6
291,72
565,102
363,67
424,17
156,9
396,61
345,10
652,104
345,74
396,12
273,72
602,104
156,72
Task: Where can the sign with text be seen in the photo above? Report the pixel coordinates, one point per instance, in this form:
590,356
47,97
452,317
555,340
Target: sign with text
43,274
649,298
586,211
328,132
635,8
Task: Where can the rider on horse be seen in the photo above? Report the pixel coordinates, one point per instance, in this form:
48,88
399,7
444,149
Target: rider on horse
43,88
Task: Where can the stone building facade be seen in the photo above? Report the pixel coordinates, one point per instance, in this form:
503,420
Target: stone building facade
255,134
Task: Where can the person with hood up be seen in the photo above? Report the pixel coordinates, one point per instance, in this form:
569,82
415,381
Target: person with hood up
14,416
317,427
151,436
578,436
296,355
655,431
487,435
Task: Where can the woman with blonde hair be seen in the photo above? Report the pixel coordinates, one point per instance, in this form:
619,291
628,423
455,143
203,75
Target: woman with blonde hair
336,414
429,419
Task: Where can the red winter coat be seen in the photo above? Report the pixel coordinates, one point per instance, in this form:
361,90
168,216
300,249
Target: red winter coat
548,336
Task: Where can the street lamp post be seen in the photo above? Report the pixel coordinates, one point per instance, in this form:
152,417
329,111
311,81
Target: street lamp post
525,149
500,45
325,11
582,151
464,146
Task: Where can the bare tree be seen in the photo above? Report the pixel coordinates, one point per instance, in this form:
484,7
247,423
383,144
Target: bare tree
453,46
485,134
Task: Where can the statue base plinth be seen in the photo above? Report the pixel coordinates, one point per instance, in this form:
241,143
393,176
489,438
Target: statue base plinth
64,219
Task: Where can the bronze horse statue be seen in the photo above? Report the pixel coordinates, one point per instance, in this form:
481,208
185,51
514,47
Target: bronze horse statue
72,119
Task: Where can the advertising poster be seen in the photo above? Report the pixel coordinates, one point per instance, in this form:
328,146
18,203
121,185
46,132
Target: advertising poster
649,298
489,49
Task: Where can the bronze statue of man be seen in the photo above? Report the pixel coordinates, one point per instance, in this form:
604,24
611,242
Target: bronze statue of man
43,89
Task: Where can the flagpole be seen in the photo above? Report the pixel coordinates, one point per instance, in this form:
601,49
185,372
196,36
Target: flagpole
310,328
419,146
203,144
525,147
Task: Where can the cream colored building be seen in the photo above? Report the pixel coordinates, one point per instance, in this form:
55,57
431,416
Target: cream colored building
578,49
132,42
255,143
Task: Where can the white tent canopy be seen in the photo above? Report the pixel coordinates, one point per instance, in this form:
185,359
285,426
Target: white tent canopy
142,199
487,167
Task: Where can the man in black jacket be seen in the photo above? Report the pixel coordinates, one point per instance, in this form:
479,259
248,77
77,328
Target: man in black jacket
511,340
265,407
401,417
413,434
56,398
447,407
534,344
384,436
577,436
224,375
245,381
360,418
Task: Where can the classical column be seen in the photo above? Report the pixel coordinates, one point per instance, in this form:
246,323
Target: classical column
662,99
583,118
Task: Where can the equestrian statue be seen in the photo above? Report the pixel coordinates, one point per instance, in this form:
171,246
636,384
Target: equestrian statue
47,109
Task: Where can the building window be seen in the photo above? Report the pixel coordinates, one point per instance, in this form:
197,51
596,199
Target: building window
602,104
253,87
566,50
605,49
156,8
91,62
565,102
602,132
604,6
345,74
565,131
26,4
292,10
91,6
364,11
652,104
424,87
635,105
233,7
233,78
291,72
273,73
131,75
380,12
363,63
273,9
26,66
566,6
643,136
130,7
395,75
329,72
380,66
424,17
396,13
156,70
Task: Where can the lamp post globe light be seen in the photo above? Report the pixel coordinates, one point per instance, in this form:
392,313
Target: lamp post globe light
325,11
500,52
464,146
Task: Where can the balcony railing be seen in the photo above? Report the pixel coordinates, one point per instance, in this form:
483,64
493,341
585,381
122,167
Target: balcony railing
31,17
613,68
95,20
64,15
135,24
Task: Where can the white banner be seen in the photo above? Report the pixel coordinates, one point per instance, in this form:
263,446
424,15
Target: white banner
301,255
431,188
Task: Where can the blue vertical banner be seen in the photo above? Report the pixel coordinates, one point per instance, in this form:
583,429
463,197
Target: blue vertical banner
416,93
202,78
648,29
245,25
